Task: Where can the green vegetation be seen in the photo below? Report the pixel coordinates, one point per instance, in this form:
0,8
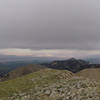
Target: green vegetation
93,73
23,84
50,84
23,71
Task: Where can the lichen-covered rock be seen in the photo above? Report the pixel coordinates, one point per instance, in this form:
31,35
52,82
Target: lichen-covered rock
80,89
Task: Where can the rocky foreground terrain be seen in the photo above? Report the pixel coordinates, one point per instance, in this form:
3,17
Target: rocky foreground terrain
75,89
50,84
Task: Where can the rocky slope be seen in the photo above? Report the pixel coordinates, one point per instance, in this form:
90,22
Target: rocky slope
50,84
15,89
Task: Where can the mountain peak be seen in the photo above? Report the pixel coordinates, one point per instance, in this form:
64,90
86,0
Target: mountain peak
72,59
72,64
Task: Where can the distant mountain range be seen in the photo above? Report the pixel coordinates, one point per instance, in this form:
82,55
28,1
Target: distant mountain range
94,59
73,65
9,63
6,67
11,58
21,71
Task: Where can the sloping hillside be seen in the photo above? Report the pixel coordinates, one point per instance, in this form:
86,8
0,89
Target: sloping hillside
6,67
92,73
23,71
17,87
50,84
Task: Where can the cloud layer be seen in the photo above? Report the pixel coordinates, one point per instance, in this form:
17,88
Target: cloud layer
50,25
54,53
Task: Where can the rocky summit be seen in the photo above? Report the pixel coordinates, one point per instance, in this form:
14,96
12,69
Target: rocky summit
50,84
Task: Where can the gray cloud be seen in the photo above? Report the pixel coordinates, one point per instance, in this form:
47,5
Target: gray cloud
50,24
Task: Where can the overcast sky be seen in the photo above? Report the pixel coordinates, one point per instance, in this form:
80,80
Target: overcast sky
49,27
